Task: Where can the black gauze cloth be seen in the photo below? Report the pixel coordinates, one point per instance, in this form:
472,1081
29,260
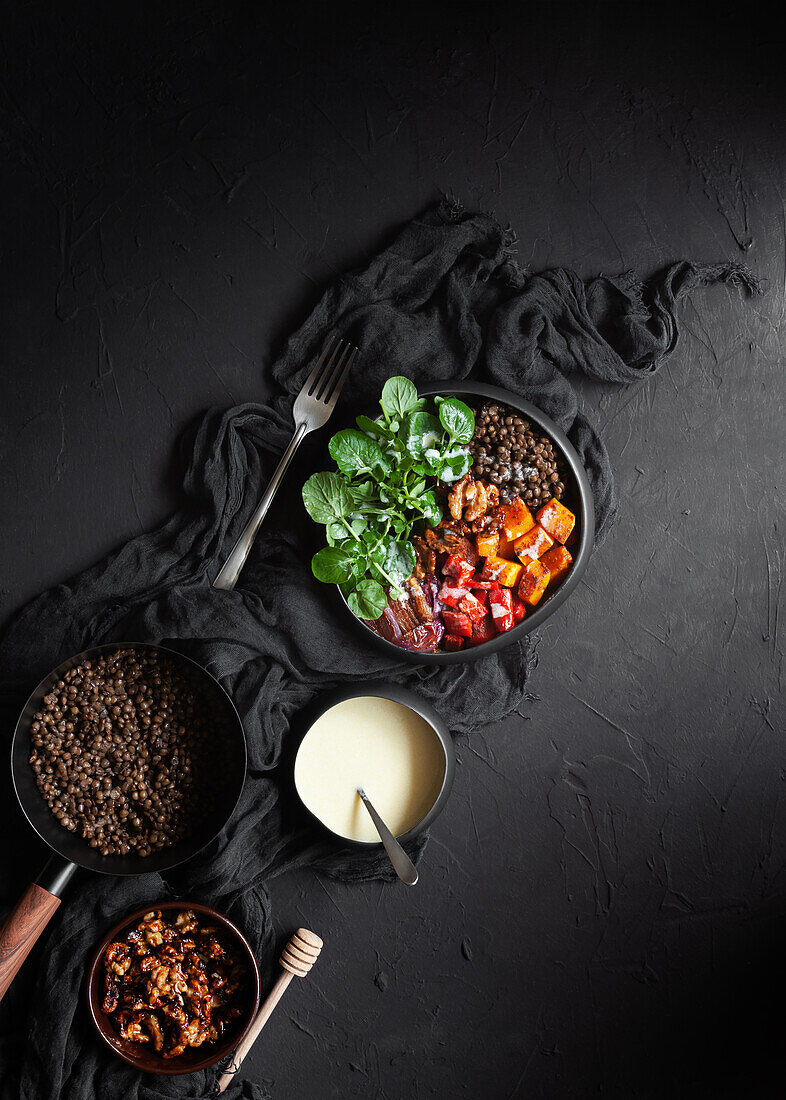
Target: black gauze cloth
444,301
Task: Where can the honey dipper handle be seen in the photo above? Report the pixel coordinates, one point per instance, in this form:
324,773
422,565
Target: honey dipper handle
261,1018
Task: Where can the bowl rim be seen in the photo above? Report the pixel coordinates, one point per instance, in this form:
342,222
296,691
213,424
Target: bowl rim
383,689
149,1062
580,560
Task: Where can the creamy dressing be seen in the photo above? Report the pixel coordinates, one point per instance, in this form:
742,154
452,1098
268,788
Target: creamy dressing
379,745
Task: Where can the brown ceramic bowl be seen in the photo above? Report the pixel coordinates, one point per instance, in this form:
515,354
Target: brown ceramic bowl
140,1055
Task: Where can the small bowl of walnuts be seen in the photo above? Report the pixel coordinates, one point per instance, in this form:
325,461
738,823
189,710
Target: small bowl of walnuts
173,988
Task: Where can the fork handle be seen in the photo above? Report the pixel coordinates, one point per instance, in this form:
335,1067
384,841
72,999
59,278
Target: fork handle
230,570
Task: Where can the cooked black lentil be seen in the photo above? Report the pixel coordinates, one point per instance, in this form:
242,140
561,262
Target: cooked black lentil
509,453
121,749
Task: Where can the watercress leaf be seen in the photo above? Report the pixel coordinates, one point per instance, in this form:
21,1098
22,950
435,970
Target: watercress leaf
399,561
456,457
368,600
332,565
424,431
373,427
364,491
354,453
458,419
418,487
327,497
399,397
370,537
430,508
454,464
359,568
458,460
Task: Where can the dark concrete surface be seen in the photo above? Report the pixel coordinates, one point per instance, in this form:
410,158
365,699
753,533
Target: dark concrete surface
601,907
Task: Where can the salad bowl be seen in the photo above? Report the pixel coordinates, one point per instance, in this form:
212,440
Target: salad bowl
577,497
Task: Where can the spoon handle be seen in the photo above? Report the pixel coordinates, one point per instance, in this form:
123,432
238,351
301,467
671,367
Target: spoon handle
402,864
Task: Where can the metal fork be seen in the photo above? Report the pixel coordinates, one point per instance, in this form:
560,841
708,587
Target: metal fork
311,410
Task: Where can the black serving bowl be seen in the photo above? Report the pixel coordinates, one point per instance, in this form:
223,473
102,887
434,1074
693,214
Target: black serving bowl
380,689
577,497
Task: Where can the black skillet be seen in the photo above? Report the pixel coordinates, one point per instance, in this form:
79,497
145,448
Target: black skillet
30,915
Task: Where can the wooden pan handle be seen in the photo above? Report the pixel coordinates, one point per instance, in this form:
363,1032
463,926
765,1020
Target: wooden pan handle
22,927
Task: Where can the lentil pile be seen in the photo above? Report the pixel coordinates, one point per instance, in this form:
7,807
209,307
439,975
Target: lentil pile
172,983
509,453
121,751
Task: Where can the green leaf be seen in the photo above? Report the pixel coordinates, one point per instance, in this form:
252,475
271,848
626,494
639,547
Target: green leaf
399,563
430,508
363,492
368,601
354,453
458,461
327,497
458,419
332,564
399,397
423,431
373,427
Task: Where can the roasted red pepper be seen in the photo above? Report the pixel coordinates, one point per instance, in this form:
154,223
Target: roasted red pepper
458,568
482,632
452,594
452,642
478,584
501,604
519,610
456,622
473,607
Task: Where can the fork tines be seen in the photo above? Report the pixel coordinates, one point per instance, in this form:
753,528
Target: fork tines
326,379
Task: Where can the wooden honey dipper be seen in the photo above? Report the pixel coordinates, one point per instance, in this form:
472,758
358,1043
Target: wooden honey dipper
297,958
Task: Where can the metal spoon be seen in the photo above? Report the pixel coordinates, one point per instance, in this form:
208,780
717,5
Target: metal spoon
402,864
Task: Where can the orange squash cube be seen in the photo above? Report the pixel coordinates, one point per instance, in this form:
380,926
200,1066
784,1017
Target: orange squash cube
507,573
558,562
557,520
533,544
505,549
487,544
516,518
533,582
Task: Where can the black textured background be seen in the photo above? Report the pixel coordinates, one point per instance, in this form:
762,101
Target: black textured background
601,906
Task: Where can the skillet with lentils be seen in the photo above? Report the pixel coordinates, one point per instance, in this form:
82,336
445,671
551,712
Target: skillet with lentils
121,751
446,525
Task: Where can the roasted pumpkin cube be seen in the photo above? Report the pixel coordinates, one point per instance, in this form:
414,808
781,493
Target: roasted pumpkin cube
558,520
533,581
505,548
516,518
487,544
533,544
558,562
507,573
